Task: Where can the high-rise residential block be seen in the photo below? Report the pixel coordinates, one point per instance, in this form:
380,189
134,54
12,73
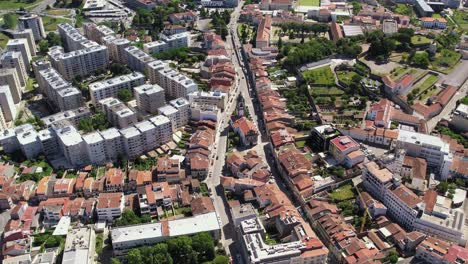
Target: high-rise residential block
110,88
33,22
149,97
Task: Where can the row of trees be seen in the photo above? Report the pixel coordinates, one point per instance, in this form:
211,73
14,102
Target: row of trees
301,29
199,248
130,218
52,39
301,53
220,20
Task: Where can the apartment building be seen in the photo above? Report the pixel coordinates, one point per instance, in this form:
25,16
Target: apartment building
163,128
97,32
58,90
153,69
7,104
118,113
73,146
432,148
39,65
183,111
434,23
29,36
346,151
33,22
49,142
125,238
72,38
95,147
110,206
175,84
82,62
111,87
148,134
209,98
3,124
116,47
136,59
149,97
113,144
71,116
21,46
9,77
167,42
133,142
14,59
80,246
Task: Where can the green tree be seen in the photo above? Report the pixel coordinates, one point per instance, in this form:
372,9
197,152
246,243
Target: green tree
421,60
128,218
181,250
161,254
119,69
43,46
134,257
9,21
146,218
203,244
115,261
54,39
221,260
124,95
442,187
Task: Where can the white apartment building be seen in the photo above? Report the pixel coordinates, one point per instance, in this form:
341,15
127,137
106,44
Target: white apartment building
58,90
172,114
82,62
29,142
118,113
110,206
137,59
71,37
72,116
48,139
111,87
73,146
112,143
33,22
153,69
149,97
14,59
432,148
217,98
7,104
69,98
167,43
133,142
95,148
80,246
128,237
29,36
163,128
9,77
200,111
183,111
175,84
116,47
97,33
39,65
148,132
21,46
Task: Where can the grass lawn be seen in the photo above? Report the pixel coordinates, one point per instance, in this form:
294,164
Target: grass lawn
436,16
343,193
403,9
346,76
30,85
3,40
324,91
461,18
428,81
16,4
420,40
300,144
427,94
15,16
50,23
58,12
322,76
309,2
445,59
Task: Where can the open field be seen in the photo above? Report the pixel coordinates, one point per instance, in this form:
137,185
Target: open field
461,18
346,76
16,4
420,40
50,23
426,82
445,60
343,193
58,12
320,76
309,2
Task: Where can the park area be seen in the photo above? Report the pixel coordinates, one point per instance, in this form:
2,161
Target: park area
445,60
343,193
346,76
16,4
51,23
319,76
418,40
309,2
461,18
